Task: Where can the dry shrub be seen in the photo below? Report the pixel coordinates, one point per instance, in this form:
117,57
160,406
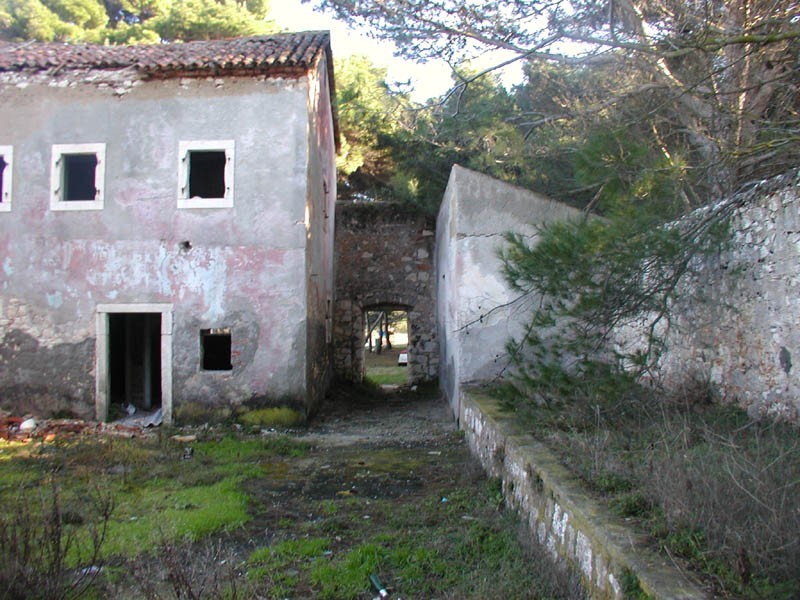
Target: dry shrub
739,490
189,570
50,551
715,488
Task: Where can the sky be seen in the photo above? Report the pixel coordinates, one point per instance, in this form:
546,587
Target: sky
428,80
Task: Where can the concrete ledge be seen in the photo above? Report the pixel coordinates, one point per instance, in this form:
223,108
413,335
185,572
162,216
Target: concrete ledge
560,514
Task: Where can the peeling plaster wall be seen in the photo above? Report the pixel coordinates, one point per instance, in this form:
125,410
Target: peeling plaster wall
384,256
321,189
245,264
737,321
477,313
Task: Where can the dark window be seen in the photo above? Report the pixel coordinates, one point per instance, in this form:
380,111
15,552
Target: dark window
3,164
207,173
216,349
79,173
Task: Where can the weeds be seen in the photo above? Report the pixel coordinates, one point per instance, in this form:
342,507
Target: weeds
283,417
190,571
421,517
718,491
448,543
46,551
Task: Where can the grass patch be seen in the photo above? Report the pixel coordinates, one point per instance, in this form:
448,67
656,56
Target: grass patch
279,417
158,496
162,513
387,375
452,543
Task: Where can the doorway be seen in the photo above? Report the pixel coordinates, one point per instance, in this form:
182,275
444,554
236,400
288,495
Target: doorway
134,361
386,355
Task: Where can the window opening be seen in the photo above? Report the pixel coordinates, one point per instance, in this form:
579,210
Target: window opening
78,174
207,174
134,363
386,346
216,349
2,171
6,154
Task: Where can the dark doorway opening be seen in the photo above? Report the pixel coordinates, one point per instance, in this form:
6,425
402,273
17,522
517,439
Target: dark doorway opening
134,362
386,345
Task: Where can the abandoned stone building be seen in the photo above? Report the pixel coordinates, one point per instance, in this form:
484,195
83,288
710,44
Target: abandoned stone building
166,225
167,219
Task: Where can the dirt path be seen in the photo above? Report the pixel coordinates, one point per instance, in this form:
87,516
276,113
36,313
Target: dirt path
388,486
396,417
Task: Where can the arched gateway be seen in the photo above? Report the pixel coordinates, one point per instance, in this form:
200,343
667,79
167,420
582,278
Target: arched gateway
384,262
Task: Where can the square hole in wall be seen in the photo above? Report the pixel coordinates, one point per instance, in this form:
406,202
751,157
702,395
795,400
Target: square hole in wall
215,349
207,174
77,174
205,177
6,155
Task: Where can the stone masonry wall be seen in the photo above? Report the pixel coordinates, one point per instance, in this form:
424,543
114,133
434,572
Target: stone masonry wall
384,258
737,325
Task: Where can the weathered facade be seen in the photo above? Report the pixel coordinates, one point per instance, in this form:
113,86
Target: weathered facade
736,323
166,226
384,259
477,312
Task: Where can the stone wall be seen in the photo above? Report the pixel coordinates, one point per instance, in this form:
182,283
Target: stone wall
384,258
737,324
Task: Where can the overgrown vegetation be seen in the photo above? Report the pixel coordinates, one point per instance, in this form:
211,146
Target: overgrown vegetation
450,544
586,281
126,22
717,491
217,513
43,541
701,96
78,503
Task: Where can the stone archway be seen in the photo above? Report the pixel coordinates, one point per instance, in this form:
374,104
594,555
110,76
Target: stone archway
384,258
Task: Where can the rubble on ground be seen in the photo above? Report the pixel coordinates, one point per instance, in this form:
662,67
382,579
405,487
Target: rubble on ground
27,428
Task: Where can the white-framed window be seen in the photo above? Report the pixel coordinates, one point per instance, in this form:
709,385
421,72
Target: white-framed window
6,171
77,176
205,174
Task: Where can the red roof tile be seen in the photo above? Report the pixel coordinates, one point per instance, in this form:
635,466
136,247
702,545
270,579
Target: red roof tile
280,53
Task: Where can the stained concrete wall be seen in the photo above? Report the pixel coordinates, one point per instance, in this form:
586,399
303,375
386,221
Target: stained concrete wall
320,228
246,267
477,312
737,321
384,257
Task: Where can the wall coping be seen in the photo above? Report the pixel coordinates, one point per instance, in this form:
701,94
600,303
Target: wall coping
528,468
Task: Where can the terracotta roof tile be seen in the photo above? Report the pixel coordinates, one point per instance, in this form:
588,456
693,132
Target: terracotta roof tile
284,52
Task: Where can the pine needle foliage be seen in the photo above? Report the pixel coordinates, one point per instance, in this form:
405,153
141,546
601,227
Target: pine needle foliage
593,279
